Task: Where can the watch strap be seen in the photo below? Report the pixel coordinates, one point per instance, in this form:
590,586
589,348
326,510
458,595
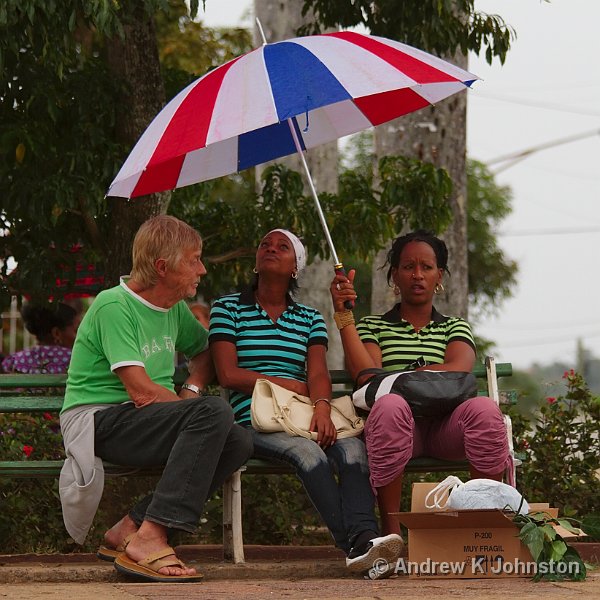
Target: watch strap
192,388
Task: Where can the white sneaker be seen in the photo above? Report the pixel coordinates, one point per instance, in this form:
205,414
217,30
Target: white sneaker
380,555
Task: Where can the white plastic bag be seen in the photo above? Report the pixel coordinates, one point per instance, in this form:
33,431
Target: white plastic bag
476,494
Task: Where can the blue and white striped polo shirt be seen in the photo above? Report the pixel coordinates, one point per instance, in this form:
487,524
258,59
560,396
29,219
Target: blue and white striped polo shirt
277,349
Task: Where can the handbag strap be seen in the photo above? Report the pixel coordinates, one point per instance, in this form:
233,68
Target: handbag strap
370,371
292,429
440,490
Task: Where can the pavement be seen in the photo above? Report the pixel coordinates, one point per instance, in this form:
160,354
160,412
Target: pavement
270,572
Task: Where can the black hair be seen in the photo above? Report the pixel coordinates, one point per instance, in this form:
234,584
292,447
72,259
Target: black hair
292,290
40,319
421,235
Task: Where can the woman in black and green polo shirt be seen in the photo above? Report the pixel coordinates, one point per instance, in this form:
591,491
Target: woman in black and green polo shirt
413,335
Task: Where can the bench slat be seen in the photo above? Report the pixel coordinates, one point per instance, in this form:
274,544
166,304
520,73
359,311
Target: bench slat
27,404
42,380
51,468
255,466
34,468
48,380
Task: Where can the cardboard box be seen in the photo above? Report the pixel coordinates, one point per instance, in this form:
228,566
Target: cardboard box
462,544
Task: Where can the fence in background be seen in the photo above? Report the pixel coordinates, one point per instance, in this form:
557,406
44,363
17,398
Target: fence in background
13,335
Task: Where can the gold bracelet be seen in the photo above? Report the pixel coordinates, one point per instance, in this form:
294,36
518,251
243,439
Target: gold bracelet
321,400
343,319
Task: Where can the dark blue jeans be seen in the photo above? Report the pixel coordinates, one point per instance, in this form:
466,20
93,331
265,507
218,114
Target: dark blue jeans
336,480
195,440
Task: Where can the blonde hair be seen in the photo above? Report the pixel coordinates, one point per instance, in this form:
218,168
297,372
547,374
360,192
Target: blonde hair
160,237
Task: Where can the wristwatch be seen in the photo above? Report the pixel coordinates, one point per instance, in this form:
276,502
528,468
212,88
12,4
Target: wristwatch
192,388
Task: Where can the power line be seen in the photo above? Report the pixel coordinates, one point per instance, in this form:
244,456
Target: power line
527,343
527,327
571,231
515,157
565,173
534,104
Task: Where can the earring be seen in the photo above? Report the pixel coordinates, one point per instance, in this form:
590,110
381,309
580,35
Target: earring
396,290
438,289
295,275
254,270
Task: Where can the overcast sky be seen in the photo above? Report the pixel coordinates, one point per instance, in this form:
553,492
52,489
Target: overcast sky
548,90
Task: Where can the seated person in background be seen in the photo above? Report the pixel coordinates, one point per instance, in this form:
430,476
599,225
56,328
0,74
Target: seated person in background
201,312
120,406
54,326
414,331
262,333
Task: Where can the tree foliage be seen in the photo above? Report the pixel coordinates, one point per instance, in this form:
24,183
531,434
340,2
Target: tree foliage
59,105
492,275
187,46
56,118
435,25
232,217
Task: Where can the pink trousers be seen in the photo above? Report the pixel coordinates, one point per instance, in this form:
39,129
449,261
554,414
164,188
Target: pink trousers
475,430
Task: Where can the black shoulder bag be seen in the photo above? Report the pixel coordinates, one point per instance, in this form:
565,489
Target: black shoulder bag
428,393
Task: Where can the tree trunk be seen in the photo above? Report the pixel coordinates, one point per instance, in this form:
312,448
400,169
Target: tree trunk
436,135
280,21
133,60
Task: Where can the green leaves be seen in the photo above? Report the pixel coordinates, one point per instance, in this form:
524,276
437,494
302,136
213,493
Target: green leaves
556,560
440,26
492,276
533,538
563,451
361,218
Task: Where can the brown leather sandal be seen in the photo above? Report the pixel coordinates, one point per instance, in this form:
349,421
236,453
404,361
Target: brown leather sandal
110,554
147,568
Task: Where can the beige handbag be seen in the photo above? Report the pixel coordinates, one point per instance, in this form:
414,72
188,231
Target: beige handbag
276,409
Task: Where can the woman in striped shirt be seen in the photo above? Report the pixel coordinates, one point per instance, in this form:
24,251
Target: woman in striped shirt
413,335
262,333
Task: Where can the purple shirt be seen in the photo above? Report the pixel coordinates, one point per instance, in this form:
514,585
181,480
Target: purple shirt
38,359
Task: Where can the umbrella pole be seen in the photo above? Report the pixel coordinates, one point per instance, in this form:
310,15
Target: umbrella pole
338,266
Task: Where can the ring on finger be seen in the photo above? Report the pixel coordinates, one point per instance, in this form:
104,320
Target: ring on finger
337,287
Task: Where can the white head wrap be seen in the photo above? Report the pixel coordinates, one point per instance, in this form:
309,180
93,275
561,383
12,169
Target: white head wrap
299,249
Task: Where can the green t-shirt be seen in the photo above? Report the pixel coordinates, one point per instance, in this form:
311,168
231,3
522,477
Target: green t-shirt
122,329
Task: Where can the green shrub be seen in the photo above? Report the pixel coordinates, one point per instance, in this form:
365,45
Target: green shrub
562,451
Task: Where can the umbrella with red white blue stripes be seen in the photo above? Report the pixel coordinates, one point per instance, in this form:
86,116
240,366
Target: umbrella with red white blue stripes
279,99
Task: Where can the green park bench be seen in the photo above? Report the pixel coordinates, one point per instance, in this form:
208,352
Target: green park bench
13,399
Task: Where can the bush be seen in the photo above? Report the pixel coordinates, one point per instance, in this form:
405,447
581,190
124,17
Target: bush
562,451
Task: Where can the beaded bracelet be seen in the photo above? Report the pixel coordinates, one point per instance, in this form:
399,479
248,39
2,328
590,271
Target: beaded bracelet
343,319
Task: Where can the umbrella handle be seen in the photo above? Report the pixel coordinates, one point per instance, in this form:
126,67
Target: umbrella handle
339,268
